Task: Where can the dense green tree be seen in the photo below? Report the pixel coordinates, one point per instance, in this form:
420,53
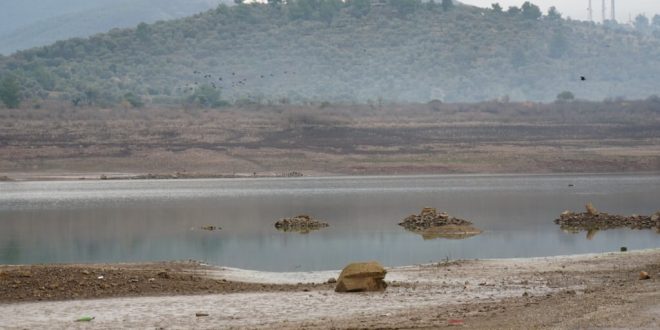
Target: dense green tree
531,11
496,8
134,100
656,21
10,91
44,78
243,14
405,7
91,95
359,8
302,9
553,14
513,10
328,9
565,96
206,96
142,31
447,5
641,23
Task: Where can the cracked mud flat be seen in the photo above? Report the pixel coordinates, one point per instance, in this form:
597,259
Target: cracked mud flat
598,290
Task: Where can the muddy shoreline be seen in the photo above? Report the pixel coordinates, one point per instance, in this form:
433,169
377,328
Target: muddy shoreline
57,282
595,290
64,176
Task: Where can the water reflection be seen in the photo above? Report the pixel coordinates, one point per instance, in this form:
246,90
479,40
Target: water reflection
592,231
448,232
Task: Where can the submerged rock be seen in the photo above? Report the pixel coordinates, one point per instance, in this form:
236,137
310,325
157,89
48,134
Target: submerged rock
361,277
592,221
302,223
431,224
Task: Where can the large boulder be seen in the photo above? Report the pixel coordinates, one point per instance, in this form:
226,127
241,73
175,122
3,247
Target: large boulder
591,209
361,277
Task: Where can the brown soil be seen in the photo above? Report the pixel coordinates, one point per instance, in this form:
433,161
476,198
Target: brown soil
352,140
64,282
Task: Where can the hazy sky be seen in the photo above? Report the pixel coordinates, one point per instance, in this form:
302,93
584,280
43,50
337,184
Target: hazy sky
577,9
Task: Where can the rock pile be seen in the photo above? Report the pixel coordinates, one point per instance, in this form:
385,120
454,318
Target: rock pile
301,223
431,224
430,218
592,219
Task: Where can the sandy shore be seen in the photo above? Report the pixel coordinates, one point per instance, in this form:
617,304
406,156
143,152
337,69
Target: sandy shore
599,290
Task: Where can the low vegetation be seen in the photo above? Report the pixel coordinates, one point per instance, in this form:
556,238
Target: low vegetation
359,51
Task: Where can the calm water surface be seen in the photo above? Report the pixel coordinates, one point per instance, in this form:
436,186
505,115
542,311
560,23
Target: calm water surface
112,221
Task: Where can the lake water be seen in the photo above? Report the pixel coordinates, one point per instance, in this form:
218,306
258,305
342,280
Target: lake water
125,221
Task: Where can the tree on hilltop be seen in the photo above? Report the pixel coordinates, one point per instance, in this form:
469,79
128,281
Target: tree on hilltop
641,23
447,5
10,92
553,13
531,11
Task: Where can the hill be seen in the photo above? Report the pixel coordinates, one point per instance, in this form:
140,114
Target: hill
357,51
29,23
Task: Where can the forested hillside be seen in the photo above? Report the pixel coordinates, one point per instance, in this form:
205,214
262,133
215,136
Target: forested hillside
29,23
354,51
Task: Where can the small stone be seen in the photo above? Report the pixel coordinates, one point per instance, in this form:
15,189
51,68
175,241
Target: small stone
332,280
644,275
624,249
199,314
26,273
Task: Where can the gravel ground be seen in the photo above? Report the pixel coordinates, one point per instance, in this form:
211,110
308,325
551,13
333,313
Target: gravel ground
599,290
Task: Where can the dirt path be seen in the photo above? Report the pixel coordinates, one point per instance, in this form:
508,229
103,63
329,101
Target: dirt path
560,292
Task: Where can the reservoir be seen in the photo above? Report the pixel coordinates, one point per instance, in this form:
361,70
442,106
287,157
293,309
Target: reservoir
155,220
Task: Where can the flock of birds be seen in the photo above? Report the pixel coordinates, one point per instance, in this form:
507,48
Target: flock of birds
240,82
234,81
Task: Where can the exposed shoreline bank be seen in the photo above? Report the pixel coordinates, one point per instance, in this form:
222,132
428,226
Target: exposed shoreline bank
127,176
594,290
